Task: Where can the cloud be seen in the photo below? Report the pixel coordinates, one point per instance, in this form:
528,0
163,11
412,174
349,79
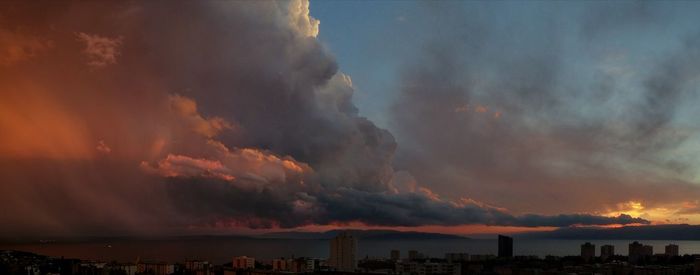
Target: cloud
100,50
102,147
225,164
187,109
294,206
16,46
184,166
554,134
423,208
299,18
218,114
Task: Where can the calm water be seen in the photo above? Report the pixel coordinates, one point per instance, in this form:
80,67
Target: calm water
221,250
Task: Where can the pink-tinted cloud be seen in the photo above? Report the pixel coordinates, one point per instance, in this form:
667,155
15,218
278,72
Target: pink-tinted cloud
100,50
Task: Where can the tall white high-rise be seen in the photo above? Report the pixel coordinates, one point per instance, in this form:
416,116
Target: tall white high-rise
343,252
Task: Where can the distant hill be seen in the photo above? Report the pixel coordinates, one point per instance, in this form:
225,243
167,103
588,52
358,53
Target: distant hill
647,232
288,235
361,234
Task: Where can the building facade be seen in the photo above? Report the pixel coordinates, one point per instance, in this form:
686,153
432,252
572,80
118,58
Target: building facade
243,262
156,268
343,253
639,252
606,252
587,251
395,255
505,246
457,257
671,250
427,268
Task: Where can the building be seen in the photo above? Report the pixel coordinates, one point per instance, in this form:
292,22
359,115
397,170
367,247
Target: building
126,268
505,246
671,250
414,255
343,253
607,251
457,257
427,268
156,268
481,257
312,264
648,250
243,262
300,265
395,255
281,264
197,266
587,251
639,252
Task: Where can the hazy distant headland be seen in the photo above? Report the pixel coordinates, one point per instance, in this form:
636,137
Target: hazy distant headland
650,232
285,235
361,234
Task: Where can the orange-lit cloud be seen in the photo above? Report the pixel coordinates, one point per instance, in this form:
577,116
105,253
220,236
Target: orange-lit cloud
16,47
187,109
226,164
103,148
100,50
187,167
665,213
34,125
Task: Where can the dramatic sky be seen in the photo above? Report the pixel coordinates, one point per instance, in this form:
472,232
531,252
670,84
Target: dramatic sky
147,117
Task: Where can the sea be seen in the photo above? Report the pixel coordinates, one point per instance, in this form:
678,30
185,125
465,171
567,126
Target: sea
221,250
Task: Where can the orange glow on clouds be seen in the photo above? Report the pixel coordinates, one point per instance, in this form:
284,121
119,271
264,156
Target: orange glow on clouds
683,212
35,126
184,166
16,47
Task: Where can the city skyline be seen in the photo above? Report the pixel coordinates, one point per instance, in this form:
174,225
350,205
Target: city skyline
341,260
216,118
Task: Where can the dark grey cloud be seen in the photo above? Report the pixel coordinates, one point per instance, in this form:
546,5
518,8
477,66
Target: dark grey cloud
416,209
219,201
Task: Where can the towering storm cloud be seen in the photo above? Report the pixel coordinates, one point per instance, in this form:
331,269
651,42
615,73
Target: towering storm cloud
137,118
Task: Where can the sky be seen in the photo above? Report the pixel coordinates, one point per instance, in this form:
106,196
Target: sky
141,118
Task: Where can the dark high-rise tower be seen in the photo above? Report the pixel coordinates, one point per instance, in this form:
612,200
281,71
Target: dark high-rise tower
395,255
639,252
606,251
671,250
505,246
587,251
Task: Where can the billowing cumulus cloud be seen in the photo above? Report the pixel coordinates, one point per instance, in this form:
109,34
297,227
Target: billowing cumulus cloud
145,118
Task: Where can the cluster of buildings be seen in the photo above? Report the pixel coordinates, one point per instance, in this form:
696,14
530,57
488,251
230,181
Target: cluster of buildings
343,260
637,252
25,263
